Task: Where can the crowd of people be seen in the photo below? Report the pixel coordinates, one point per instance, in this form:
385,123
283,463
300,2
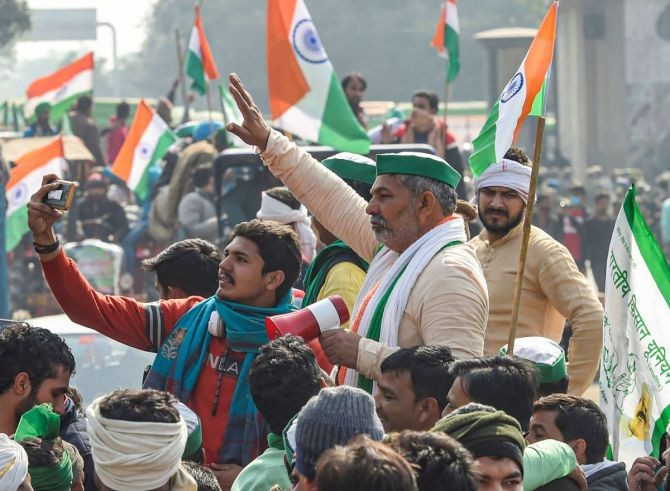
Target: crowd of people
418,391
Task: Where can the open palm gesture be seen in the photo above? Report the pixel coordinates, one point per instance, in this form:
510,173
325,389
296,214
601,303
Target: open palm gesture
254,130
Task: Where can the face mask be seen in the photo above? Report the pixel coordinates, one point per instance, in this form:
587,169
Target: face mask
575,200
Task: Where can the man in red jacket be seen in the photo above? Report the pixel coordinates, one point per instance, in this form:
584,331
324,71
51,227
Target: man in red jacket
204,347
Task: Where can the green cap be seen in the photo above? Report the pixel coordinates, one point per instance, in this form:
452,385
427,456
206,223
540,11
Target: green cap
42,422
39,422
418,164
547,356
352,167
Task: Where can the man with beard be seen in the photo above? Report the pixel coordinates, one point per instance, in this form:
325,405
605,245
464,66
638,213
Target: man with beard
35,368
204,347
424,285
553,287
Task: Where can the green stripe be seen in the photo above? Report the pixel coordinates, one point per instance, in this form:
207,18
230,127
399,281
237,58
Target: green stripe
484,146
649,248
452,45
196,71
16,227
339,127
61,108
659,432
143,189
538,108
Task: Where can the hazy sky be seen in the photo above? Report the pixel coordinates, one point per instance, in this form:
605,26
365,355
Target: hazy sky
127,16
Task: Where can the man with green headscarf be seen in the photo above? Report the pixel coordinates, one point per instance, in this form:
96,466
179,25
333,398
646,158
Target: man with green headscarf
337,269
49,464
41,126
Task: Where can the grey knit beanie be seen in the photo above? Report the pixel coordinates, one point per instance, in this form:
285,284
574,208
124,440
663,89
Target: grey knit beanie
333,417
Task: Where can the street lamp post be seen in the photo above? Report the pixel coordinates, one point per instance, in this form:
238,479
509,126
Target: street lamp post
117,81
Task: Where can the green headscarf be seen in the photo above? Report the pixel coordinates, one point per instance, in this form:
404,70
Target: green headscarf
42,422
486,434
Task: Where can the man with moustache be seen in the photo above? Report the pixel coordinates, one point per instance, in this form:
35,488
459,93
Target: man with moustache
553,288
204,347
424,285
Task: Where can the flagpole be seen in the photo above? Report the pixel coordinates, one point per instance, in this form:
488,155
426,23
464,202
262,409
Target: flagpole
182,78
444,117
208,91
518,283
4,266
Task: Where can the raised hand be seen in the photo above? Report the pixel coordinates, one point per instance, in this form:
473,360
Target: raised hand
254,130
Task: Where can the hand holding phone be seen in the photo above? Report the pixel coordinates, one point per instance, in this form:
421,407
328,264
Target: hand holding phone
61,198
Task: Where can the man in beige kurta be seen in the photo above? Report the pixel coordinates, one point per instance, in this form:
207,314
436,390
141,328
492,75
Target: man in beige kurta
553,288
447,304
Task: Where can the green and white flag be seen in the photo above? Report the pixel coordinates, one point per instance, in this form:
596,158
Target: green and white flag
231,114
200,65
635,365
446,39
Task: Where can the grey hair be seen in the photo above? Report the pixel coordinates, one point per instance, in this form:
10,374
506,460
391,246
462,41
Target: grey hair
446,195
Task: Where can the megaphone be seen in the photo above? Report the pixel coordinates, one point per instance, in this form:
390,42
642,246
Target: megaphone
310,322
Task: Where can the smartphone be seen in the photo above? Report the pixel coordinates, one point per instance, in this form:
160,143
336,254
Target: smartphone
61,198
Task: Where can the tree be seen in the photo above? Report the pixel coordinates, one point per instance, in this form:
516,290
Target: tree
14,20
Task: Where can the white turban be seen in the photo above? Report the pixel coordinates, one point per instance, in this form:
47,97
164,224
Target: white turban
507,174
277,211
131,455
13,464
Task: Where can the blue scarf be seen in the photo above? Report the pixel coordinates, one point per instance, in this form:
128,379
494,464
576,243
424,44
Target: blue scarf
183,354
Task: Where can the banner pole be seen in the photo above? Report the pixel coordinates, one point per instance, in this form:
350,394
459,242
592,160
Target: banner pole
518,283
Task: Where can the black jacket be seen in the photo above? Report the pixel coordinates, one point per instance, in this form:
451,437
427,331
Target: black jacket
611,478
73,430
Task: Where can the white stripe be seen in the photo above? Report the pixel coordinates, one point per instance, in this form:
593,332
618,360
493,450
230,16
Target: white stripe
508,117
144,151
194,43
81,82
296,120
452,17
304,119
326,314
19,194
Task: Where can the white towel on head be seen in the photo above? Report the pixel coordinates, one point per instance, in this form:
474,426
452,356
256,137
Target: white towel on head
13,464
277,211
131,455
507,174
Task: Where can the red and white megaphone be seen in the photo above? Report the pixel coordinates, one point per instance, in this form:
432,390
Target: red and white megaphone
310,322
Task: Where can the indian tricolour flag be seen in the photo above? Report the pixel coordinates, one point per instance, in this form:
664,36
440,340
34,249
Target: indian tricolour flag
306,98
446,38
26,178
61,89
148,139
506,119
635,364
200,65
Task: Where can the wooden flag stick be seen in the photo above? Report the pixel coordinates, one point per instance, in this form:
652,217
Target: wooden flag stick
182,78
518,283
443,136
